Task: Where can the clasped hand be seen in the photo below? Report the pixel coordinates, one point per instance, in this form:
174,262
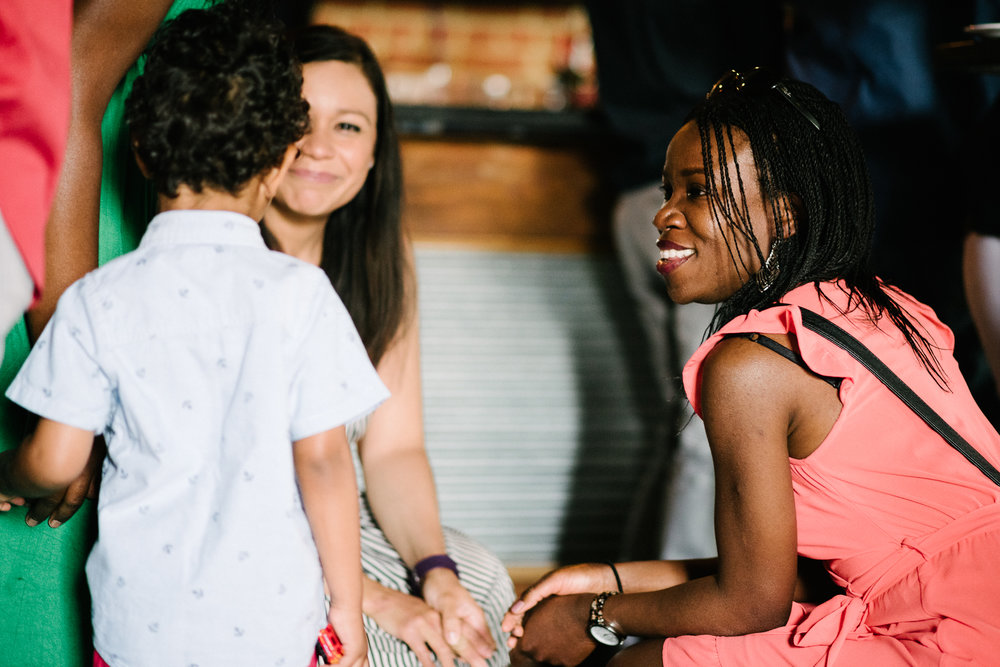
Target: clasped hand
447,622
548,622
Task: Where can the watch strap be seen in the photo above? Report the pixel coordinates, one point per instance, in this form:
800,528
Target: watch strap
597,615
425,565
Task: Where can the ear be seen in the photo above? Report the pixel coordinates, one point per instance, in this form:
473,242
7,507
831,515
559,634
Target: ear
138,160
791,209
272,177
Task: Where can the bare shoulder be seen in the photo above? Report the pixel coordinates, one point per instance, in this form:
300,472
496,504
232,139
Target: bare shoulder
750,388
742,366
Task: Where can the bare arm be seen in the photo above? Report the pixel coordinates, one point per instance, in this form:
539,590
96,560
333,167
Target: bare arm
52,457
108,36
981,273
750,432
403,498
400,485
594,578
325,474
402,495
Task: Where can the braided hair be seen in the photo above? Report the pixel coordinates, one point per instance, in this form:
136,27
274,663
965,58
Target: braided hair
816,184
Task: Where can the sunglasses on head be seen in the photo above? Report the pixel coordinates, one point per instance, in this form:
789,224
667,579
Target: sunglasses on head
758,80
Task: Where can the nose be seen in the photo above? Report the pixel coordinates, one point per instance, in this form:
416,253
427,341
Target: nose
668,217
317,143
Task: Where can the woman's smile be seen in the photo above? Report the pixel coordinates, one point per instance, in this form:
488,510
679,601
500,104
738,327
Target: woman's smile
672,256
312,175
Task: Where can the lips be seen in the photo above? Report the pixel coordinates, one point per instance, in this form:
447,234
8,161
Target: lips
313,176
671,256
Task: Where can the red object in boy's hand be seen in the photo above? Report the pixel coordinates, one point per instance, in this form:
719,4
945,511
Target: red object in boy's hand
329,649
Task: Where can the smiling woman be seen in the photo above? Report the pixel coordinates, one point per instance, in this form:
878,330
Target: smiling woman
338,151
768,213
428,591
693,246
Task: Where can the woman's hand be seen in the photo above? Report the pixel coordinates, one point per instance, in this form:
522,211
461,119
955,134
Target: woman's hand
7,500
556,631
463,622
583,578
424,628
350,629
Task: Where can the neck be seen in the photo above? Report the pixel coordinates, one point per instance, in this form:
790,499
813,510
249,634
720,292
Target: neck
248,201
297,235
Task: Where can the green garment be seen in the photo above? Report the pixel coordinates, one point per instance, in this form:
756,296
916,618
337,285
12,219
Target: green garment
43,589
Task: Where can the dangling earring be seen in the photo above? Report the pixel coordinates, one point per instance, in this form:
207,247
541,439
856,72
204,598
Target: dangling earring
767,274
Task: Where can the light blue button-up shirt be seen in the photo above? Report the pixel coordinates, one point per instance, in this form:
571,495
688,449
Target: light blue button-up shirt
202,356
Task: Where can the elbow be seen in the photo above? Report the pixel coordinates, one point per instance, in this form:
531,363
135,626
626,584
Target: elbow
41,482
757,606
35,485
319,465
30,477
761,614
770,617
321,455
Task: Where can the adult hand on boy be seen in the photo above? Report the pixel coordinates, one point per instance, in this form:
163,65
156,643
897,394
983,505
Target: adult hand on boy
61,505
7,500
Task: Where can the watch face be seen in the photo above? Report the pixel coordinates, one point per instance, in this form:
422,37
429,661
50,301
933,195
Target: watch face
604,635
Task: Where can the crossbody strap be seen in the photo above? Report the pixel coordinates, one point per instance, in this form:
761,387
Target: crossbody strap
867,358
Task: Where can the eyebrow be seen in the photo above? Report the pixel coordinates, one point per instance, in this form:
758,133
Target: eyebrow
688,172
352,112
357,112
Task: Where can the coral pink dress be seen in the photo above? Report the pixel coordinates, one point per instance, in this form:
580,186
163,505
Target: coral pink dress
904,523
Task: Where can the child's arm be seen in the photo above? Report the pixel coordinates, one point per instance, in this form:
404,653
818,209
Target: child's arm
325,474
48,461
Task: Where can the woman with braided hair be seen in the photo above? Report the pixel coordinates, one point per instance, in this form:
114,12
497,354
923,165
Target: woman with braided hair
768,213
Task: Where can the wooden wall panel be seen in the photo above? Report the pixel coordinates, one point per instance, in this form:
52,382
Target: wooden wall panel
505,195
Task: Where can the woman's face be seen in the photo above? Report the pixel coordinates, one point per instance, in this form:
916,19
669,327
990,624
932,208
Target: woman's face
339,149
697,250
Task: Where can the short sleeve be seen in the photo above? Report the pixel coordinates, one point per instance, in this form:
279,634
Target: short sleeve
333,380
61,379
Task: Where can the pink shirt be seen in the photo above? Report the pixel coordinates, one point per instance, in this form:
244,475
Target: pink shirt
34,118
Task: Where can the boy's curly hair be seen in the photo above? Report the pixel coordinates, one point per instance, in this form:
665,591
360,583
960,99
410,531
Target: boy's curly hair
219,102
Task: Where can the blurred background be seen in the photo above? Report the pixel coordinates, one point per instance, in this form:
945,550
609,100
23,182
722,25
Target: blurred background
545,413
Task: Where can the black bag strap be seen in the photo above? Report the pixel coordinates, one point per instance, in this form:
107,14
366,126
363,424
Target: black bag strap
867,358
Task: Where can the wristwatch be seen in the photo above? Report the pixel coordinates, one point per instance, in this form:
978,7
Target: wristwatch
601,631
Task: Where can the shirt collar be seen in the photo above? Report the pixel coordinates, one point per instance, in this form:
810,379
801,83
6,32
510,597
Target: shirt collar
201,226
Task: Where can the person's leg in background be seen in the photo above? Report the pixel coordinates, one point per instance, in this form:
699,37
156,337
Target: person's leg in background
681,477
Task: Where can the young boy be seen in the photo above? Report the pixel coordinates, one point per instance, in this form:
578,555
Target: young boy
219,372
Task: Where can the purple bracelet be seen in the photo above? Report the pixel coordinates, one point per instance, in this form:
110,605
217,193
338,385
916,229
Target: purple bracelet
425,565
